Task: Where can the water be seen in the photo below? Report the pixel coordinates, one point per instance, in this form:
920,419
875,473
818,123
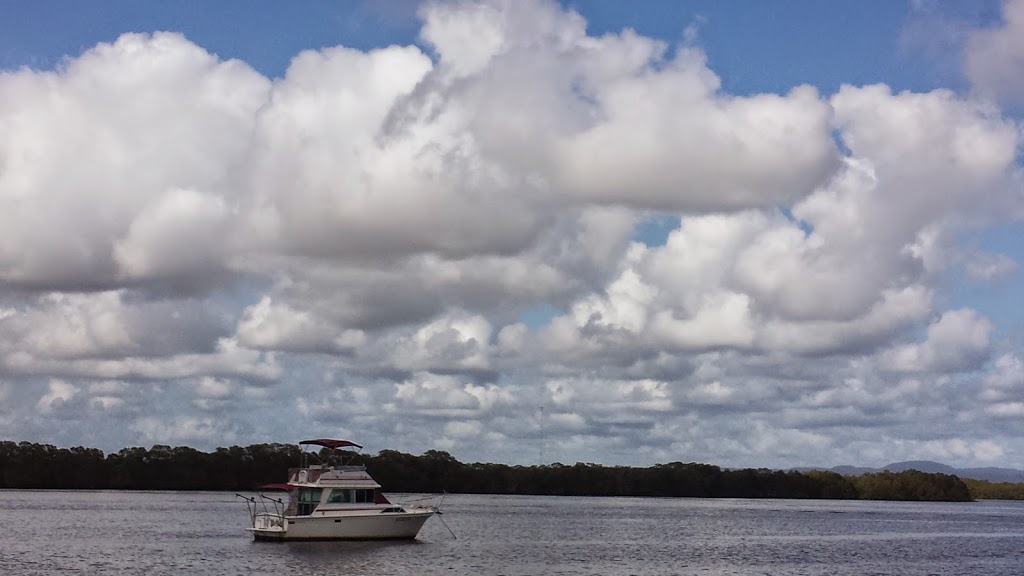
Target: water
55,532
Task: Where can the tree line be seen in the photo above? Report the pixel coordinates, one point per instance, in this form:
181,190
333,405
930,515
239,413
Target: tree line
984,489
30,465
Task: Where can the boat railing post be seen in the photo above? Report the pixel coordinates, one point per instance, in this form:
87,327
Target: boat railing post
250,505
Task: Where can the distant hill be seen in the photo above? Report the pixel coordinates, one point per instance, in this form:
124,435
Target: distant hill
990,474
993,474
921,466
848,470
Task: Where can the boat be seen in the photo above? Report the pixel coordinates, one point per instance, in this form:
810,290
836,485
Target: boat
327,502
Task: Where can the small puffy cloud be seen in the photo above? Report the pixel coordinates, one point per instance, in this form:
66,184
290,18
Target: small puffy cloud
454,341
994,57
448,396
609,399
1008,372
57,395
958,341
213,394
70,326
267,325
109,395
990,266
1003,387
213,388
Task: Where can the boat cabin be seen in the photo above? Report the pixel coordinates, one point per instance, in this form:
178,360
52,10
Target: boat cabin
321,489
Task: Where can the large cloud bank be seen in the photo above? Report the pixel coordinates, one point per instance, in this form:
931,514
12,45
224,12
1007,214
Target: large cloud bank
444,249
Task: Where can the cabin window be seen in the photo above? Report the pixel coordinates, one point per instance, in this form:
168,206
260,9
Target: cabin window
339,496
308,499
350,496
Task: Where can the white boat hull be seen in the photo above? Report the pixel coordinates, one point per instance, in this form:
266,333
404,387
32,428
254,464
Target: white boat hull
370,526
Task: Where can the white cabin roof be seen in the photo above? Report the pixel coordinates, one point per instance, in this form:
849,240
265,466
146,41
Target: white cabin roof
338,477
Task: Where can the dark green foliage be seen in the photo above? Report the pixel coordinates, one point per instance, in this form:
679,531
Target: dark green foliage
27,465
985,490
911,485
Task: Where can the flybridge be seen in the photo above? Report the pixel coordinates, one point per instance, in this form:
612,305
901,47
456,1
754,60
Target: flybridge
331,443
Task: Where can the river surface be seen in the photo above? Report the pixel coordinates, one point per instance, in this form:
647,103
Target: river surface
200,533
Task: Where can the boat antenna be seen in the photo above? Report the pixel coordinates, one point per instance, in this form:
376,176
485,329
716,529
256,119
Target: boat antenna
541,435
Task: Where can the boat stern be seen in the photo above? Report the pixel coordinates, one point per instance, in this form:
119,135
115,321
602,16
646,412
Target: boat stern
269,527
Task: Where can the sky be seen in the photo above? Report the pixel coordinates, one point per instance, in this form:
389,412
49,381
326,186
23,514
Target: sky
747,234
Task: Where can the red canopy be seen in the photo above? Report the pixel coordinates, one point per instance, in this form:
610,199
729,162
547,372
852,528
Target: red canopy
329,443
